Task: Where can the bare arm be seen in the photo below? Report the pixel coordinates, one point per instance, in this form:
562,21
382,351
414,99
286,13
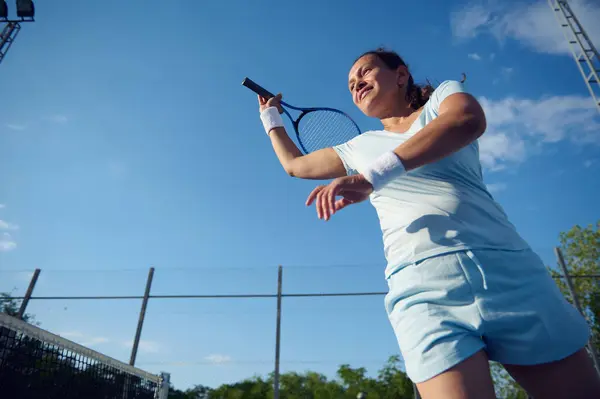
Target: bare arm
318,165
461,120
321,164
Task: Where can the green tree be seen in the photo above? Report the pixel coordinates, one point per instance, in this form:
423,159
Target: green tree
197,392
581,249
11,307
393,382
506,387
253,388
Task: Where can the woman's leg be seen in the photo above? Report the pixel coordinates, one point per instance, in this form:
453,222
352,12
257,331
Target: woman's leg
573,377
470,379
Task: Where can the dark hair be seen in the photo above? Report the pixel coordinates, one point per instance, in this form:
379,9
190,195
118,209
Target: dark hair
416,95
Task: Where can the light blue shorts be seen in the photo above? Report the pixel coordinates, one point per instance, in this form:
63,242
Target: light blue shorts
446,308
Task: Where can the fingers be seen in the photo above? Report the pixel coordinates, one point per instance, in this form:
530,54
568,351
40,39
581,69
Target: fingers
342,203
324,199
313,195
329,199
275,102
321,205
319,198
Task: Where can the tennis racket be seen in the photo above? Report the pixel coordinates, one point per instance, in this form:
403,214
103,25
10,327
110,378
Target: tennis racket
315,128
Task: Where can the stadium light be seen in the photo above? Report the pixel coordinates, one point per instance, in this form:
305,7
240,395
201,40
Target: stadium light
25,9
11,27
3,10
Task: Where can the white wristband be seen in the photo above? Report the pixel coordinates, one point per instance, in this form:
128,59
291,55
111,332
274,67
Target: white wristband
385,168
271,119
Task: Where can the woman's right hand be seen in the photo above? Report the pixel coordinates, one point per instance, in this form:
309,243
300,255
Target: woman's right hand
271,102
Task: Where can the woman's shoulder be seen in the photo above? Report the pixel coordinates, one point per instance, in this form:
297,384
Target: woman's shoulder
442,91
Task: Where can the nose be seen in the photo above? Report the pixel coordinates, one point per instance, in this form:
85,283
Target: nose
360,85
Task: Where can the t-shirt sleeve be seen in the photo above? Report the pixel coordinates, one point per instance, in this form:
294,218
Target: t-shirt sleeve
346,153
443,91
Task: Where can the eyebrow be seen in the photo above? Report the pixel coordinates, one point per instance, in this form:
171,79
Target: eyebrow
359,72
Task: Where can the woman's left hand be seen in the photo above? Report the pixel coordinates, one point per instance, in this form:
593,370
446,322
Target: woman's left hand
353,189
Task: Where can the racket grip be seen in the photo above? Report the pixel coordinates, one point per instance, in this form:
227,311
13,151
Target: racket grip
257,89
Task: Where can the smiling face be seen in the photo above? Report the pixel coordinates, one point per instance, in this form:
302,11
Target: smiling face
377,90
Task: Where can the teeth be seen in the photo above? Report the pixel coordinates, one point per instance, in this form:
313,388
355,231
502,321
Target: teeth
364,93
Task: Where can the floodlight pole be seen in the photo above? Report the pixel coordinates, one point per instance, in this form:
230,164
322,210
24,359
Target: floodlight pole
7,36
12,27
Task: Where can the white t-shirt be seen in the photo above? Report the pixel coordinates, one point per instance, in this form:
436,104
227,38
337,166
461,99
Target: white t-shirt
435,209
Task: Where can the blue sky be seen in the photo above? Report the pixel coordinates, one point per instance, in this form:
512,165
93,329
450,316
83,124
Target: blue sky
127,141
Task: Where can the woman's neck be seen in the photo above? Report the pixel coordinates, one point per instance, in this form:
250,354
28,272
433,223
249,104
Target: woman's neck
400,120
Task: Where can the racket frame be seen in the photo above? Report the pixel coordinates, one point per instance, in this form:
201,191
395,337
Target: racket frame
261,91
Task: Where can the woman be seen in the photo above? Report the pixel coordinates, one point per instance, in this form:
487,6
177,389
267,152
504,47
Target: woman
464,287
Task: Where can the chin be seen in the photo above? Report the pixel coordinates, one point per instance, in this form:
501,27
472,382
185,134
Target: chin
372,105
371,110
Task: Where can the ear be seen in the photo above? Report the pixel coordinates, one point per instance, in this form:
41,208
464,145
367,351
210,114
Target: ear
402,75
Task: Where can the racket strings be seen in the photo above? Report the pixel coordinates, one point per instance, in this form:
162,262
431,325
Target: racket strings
324,128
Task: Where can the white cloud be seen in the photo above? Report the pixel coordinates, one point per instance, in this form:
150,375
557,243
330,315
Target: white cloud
24,276
8,226
15,126
469,21
496,187
516,126
145,346
498,149
533,25
2,206
58,118
506,71
218,359
7,243
84,339
504,75
474,56
589,163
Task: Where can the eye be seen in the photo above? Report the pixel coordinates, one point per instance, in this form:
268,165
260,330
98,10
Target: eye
352,87
366,71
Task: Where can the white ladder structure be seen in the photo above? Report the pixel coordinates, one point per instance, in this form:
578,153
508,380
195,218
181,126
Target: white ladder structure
585,54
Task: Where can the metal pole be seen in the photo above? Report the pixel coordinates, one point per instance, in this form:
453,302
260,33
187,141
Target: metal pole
138,332
7,37
278,334
25,302
563,266
165,379
416,391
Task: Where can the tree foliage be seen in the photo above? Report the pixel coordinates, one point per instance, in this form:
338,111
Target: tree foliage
11,307
391,383
581,249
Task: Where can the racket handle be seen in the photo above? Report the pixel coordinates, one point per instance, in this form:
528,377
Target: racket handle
257,89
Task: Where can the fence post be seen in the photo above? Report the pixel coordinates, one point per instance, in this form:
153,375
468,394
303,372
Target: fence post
165,379
27,297
277,334
563,266
416,391
138,332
